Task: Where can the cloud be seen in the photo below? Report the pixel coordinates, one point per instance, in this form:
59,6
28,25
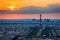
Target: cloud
4,11
52,8
32,9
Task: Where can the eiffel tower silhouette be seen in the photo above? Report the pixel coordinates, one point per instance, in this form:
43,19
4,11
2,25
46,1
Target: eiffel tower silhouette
47,32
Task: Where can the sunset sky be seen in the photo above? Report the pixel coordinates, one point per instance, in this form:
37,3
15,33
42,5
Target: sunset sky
5,4
29,16
29,6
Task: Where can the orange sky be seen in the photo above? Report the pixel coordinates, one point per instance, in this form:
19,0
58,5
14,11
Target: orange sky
29,16
5,5
22,3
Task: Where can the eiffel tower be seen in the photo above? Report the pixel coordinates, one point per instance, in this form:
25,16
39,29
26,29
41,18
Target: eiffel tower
47,32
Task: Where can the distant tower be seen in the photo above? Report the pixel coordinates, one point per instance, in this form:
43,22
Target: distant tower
40,21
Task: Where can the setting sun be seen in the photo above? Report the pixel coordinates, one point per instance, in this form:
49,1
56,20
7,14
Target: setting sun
11,7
